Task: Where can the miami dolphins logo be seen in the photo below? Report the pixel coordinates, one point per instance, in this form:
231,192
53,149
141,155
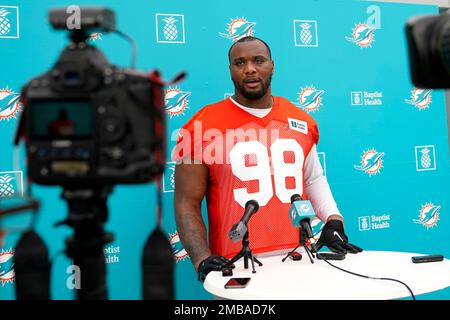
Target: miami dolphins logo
238,28
371,162
310,99
177,248
429,215
317,226
176,101
362,35
7,267
420,98
9,104
95,36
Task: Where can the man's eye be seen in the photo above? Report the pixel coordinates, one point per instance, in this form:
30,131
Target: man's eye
259,61
238,63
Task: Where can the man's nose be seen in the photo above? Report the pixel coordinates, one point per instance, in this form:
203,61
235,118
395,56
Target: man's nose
249,68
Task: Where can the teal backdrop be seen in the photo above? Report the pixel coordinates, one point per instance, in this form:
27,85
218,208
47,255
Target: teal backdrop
383,143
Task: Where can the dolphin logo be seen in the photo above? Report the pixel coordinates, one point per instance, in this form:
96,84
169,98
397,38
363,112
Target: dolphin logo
239,32
361,35
371,163
8,101
6,267
177,100
430,215
311,98
420,97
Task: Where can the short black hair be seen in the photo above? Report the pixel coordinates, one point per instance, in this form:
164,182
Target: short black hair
248,39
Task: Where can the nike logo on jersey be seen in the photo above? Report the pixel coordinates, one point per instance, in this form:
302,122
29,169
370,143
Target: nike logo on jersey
298,125
337,235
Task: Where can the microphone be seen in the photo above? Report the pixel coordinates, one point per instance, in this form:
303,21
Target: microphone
238,230
301,214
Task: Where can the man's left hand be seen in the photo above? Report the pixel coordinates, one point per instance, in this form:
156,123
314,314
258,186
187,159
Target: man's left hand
334,237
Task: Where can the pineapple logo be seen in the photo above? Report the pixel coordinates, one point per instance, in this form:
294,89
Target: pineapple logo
9,22
176,101
7,274
371,162
238,28
170,28
10,184
178,250
6,187
425,158
429,215
362,35
310,99
9,104
169,177
420,98
305,33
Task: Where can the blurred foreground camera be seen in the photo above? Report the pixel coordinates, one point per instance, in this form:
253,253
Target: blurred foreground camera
429,50
87,122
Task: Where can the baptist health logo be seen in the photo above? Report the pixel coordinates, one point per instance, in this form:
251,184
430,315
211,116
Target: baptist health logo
305,33
7,274
238,28
178,250
362,35
371,162
420,98
374,222
9,22
310,99
428,215
425,158
176,101
365,98
11,184
10,104
169,177
170,28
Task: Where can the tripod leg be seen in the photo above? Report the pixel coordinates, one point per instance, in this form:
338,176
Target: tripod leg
245,262
253,262
290,253
257,261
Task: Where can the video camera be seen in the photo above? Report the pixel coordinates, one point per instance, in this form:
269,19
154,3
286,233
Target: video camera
88,123
429,50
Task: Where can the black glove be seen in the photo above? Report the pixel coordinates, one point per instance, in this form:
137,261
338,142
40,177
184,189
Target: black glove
333,236
212,263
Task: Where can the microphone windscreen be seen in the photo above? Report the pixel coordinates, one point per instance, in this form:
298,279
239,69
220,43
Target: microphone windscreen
158,267
32,268
295,197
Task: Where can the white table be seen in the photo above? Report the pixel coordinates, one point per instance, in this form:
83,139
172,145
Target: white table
301,280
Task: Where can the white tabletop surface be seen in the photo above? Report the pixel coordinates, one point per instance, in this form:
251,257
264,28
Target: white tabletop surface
299,280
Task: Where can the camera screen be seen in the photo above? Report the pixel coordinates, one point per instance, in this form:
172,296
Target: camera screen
61,120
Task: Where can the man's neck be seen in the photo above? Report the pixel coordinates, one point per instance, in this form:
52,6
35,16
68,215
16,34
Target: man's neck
263,103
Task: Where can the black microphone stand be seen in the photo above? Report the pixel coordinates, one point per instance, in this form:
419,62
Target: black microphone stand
302,242
245,253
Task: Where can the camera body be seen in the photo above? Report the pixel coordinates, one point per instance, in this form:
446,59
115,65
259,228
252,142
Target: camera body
88,123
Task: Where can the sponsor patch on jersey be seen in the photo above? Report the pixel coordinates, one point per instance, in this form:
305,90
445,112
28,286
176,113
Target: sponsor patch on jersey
298,125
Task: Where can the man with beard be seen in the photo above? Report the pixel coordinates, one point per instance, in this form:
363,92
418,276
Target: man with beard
251,146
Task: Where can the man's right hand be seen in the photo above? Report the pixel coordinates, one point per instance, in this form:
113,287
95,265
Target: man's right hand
212,263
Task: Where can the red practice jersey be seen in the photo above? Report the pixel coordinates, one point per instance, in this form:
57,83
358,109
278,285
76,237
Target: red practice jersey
250,158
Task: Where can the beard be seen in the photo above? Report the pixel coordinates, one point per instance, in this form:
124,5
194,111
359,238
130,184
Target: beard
253,95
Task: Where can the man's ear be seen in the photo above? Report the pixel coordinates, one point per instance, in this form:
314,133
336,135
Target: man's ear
273,67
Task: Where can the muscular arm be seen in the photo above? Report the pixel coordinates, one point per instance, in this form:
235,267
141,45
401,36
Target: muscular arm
190,188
